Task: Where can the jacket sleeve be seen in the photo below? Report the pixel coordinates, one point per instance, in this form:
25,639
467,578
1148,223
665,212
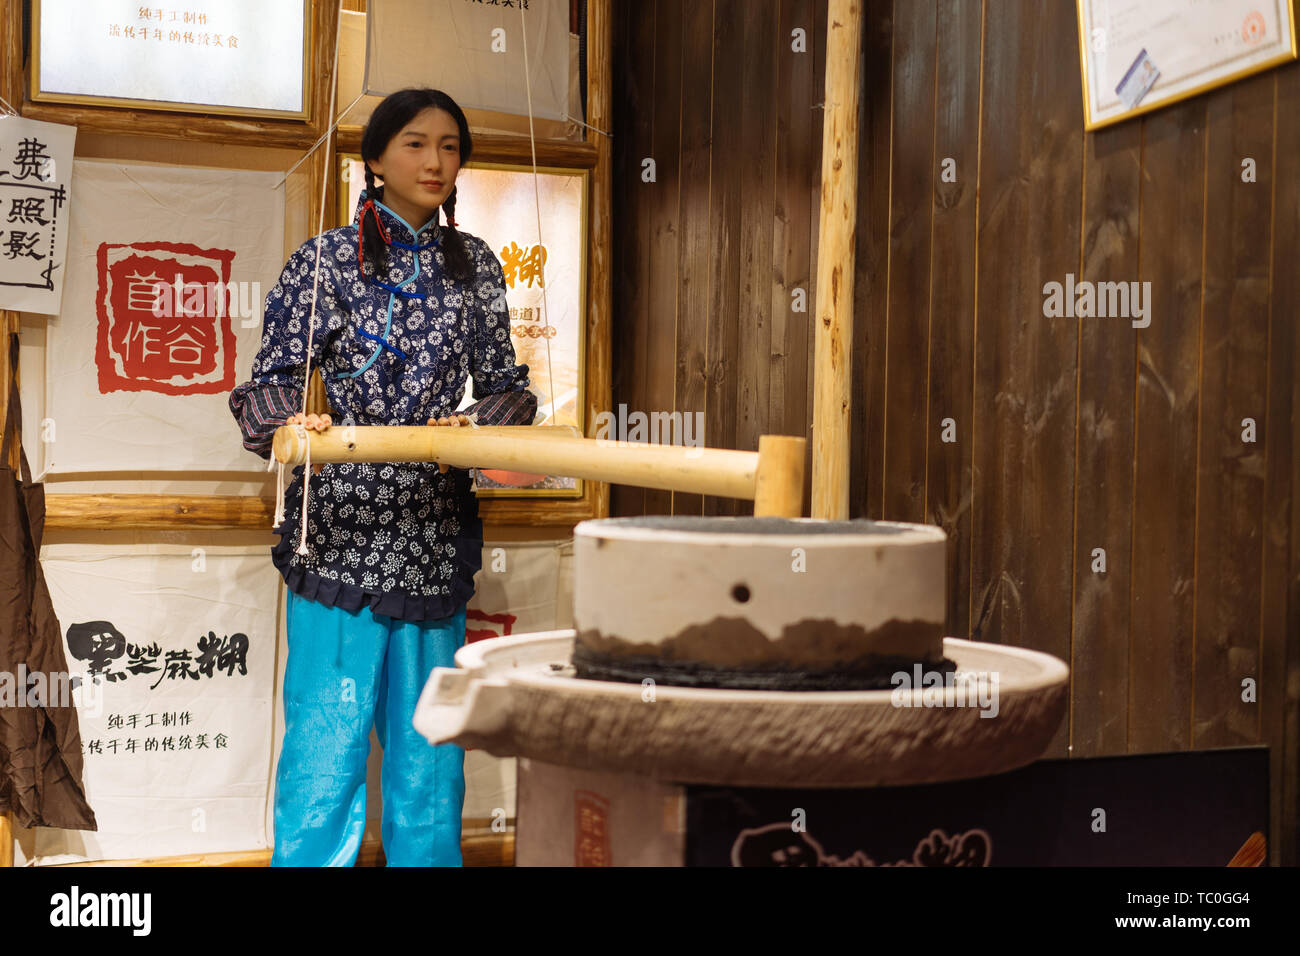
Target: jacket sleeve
500,385
274,392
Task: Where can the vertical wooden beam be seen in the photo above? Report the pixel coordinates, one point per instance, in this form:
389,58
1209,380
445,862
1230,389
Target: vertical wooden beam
788,409
600,75
1231,471
1171,253
11,53
836,240
664,289
6,842
1031,159
1103,500
870,294
726,204
949,464
690,375
912,176
812,222
1279,685
764,50
630,337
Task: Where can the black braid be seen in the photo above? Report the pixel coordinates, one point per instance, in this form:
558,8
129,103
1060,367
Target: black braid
454,252
373,246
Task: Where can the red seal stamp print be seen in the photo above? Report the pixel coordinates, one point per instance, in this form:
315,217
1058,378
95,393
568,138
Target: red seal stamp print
1252,28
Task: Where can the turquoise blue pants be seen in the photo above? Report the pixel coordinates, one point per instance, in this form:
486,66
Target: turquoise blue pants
345,671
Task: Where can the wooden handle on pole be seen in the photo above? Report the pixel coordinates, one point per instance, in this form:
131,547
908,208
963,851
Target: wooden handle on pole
779,487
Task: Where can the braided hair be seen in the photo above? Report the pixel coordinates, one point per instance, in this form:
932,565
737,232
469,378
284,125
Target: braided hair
388,119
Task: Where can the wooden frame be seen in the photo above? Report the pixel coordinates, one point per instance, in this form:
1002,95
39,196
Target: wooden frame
179,512
344,211
196,124
1089,123
595,153
82,99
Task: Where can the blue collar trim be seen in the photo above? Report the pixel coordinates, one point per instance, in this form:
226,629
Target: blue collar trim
431,224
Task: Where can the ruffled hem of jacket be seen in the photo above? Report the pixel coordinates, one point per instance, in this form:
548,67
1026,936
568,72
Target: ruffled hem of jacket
394,604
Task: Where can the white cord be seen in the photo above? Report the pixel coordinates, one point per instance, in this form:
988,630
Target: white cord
315,282
279,496
306,470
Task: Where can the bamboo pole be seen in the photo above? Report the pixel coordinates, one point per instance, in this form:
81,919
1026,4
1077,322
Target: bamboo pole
772,477
405,443
836,241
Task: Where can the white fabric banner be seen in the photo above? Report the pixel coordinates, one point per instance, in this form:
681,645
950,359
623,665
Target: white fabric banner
176,717
167,273
515,590
472,51
518,591
35,192
137,606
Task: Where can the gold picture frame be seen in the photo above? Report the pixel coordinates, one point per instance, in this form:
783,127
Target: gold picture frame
41,95
1200,78
348,185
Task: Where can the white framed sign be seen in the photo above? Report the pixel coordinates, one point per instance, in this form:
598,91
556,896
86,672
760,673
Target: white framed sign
501,204
242,57
1139,55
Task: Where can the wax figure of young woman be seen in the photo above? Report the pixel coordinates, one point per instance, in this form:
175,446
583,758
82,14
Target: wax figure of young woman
407,308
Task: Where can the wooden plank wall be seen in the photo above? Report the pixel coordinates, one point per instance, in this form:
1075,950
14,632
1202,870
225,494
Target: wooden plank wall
1071,436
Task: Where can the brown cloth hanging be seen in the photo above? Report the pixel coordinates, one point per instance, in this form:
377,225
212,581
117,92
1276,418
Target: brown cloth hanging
40,746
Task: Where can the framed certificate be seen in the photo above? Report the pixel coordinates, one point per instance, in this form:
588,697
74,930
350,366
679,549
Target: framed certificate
239,57
1140,55
546,281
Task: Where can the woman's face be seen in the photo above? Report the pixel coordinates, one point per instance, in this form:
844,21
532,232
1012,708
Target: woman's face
419,165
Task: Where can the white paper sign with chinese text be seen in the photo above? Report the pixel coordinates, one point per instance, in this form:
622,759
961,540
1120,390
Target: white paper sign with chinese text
35,194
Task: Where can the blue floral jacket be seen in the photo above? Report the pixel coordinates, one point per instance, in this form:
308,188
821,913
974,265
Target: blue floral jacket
403,539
